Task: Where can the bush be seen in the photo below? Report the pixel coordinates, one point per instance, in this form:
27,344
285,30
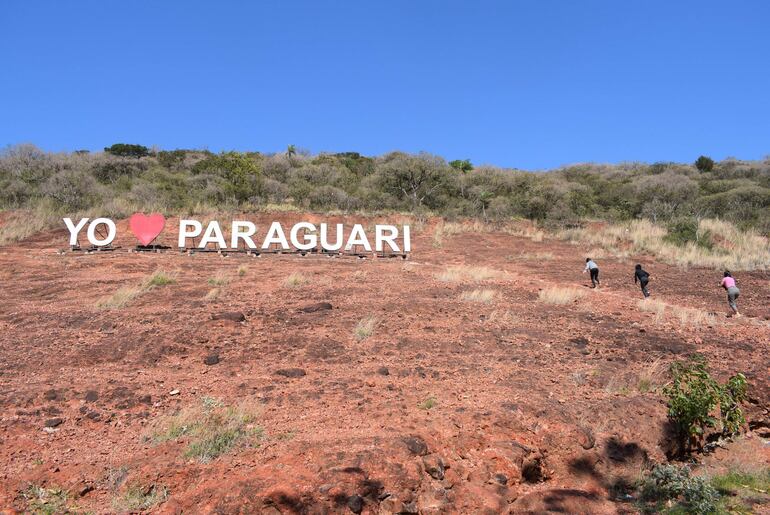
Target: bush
686,230
127,150
672,483
693,396
704,164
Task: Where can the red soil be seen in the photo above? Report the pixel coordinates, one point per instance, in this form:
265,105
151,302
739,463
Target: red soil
537,407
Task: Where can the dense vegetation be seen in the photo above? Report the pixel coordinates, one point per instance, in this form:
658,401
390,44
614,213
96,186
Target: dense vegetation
127,177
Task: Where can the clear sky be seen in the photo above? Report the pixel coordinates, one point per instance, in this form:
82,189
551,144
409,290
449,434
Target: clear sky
531,84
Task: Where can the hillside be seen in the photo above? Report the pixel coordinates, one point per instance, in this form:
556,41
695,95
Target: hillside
281,384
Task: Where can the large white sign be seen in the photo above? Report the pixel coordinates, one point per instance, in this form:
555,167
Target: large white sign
245,235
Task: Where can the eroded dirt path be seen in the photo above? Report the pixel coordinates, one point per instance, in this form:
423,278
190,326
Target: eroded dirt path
453,405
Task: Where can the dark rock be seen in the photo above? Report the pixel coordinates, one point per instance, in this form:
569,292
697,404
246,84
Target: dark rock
146,399
383,371
291,372
211,359
312,308
53,422
92,396
85,489
94,415
355,503
50,395
416,445
234,316
501,478
434,466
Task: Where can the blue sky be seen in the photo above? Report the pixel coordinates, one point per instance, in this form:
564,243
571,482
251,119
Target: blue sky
531,85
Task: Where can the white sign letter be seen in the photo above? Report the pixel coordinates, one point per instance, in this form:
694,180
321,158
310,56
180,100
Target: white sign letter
390,238
111,231
358,237
275,235
185,233
74,229
325,239
213,234
311,240
246,234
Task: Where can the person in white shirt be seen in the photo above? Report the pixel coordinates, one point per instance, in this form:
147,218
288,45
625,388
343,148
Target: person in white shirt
593,269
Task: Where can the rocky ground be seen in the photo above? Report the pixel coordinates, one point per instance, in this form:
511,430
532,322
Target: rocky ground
449,405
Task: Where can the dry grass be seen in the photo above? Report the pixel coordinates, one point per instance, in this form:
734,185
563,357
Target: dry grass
365,327
692,318
125,294
213,294
295,280
482,296
653,306
502,317
242,270
559,295
210,428
651,376
467,273
732,248
219,279
532,256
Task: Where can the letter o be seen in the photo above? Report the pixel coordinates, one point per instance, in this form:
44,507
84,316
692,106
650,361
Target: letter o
111,231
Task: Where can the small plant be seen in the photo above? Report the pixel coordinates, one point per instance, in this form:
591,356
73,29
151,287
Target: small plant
365,327
668,483
470,273
295,280
140,498
559,296
428,403
212,429
47,501
483,296
242,270
158,278
126,294
219,279
213,294
693,396
653,306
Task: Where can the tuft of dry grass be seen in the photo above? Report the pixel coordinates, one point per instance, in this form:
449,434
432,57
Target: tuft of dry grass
688,317
470,273
650,376
295,280
653,306
502,317
219,279
242,270
126,294
559,295
482,296
213,294
532,256
210,428
365,327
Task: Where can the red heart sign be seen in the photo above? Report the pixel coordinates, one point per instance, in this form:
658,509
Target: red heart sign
146,228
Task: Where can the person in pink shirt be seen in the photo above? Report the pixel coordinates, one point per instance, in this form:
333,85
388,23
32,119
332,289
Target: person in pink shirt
728,283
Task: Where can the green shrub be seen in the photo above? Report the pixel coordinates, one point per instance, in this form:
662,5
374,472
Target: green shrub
693,396
127,150
685,230
704,164
667,483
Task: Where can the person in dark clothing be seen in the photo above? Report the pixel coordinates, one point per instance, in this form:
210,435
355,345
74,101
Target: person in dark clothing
642,277
593,269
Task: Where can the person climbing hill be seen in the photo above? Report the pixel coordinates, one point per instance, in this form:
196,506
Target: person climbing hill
643,278
593,269
728,283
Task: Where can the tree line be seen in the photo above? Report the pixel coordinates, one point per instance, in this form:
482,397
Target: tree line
128,176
